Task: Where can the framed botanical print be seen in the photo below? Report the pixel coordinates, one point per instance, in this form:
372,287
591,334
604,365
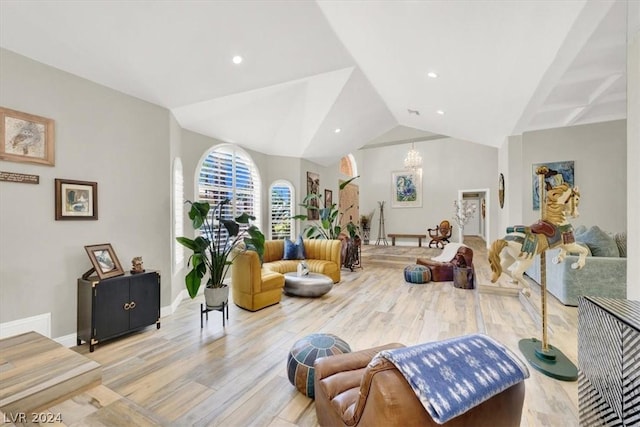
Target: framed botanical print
406,189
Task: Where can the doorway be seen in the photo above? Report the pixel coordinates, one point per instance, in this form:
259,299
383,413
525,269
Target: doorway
479,224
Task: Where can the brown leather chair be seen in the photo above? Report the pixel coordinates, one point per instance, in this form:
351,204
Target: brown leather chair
350,392
443,271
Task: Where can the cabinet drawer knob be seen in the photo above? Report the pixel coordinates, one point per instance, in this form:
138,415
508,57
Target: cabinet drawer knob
132,305
127,306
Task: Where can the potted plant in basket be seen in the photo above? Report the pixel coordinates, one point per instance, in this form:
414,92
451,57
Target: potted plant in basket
216,248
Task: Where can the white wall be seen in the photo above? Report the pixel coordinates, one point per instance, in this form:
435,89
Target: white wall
449,165
633,149
599,151
100,135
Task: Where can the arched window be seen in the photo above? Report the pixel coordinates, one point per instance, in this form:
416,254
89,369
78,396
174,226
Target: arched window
178,209
348,166
227,171
281,199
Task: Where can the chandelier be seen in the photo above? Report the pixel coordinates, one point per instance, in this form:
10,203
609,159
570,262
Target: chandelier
413,159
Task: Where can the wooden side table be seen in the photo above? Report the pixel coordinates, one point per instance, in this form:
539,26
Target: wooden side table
463,277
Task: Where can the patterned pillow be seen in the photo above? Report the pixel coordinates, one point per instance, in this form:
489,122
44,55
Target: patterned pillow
294,250
600,243
621,241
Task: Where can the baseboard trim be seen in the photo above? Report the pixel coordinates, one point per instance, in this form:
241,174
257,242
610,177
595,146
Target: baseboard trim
40,323
67,340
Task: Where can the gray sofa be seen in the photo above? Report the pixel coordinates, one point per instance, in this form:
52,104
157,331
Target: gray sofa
602,276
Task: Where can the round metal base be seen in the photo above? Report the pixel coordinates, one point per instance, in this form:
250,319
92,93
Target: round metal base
552,363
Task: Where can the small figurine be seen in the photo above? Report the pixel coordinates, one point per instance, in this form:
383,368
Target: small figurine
136,264
302,269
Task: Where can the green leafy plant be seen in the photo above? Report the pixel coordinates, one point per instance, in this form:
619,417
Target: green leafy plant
213,250
328,226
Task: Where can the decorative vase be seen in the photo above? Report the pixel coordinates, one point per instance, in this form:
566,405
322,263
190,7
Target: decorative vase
215,297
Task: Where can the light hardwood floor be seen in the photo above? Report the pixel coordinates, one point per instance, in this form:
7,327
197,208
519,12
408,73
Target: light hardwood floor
182,375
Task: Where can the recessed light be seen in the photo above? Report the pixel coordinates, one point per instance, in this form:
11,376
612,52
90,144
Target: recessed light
432,74
237,59
441,112
337,130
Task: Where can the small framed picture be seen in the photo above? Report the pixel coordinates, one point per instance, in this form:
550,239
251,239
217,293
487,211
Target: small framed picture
76,199
104,261
26,138
328,198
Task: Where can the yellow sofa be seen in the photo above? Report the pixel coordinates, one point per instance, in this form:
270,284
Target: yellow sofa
255,287
322,256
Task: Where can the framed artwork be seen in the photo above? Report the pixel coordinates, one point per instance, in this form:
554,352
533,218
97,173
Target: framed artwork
26,138
104,261
406,189
328,198
313,187
76,199
559,172
501,190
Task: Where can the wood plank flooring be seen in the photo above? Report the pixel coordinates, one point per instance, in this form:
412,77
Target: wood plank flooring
182,375
36,372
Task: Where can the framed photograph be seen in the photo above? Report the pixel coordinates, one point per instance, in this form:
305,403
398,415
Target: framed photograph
313,187
76,199
26,138
406,189
104,261
328,198
559,172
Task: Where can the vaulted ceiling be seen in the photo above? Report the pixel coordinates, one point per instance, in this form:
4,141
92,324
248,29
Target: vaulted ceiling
311,67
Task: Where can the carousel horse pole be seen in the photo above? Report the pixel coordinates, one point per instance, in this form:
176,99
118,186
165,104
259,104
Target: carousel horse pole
540,354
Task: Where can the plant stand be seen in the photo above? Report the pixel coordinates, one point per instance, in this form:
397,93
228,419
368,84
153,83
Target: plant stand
204,309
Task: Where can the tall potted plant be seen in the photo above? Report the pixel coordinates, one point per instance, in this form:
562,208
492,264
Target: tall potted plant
214,250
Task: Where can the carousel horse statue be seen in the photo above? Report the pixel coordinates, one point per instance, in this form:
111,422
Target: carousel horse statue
514,253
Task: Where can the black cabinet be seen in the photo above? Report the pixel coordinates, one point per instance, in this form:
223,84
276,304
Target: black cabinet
113,307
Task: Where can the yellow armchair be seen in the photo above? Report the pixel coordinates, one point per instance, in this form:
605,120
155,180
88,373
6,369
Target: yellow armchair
253,287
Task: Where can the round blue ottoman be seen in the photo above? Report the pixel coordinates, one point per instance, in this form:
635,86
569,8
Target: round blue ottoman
304,352
417,274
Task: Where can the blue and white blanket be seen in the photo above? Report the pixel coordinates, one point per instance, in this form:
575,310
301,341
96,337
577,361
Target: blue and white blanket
452,376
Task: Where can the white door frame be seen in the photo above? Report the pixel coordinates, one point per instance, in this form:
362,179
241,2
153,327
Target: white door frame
486,194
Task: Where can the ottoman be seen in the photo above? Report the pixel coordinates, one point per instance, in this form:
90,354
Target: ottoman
417,274
304,353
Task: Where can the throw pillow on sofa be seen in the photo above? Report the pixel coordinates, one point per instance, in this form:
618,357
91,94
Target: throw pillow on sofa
294,250
600,243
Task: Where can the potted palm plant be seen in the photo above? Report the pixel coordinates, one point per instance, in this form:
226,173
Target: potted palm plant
214,250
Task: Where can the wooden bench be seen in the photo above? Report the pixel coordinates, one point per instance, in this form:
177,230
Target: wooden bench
401,235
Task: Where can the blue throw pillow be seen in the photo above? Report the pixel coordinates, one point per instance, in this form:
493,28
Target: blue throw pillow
294,250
